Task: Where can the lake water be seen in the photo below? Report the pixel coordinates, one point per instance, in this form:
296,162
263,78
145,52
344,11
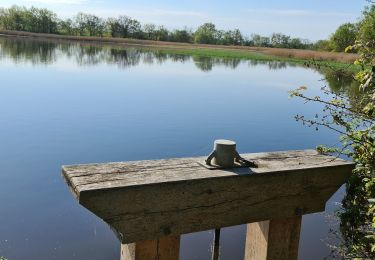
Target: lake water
65,103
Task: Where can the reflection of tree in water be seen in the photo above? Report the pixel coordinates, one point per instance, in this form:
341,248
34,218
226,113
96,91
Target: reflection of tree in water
123,58
47,52
151,57
31,51
230,63
342,83
203,63
89,55
207,63
339,80
272,65
179,58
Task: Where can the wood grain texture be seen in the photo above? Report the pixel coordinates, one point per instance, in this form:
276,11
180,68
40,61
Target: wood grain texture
256,240
145,200
273,239
165,248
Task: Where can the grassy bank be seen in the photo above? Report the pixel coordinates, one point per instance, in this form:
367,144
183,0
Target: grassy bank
339,60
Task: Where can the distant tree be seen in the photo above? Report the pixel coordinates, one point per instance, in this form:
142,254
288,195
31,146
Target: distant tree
366,32
247,41
161,34
296,43
280,40
80,23
30,20
113,27
206,34
83,24
231,37
46,20
66,27
149,31
224,37
237,37
344,36
125,23
11,18
260,41
322,45
133,28
94,25
181,36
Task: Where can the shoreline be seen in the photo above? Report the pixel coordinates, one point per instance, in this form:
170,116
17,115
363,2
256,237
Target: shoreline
241,52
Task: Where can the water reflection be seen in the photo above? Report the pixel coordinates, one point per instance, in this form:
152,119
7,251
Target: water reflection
36,52
47,52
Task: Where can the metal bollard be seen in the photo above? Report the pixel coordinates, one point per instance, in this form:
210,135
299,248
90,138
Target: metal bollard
225,155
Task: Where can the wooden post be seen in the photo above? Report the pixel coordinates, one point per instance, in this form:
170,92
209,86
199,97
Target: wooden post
164,248
151,203
273,239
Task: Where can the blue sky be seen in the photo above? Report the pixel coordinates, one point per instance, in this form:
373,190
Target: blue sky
314,19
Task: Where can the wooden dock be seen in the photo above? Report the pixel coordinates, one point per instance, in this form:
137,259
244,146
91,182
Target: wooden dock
151,203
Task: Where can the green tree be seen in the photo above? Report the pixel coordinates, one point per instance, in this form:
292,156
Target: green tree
237,37
344,36
126,26
260,41
80,23
206,34
181,36
93,24
161,34
133,28
366,33
149,31
30,20
113,26
12,18
280,40
66,27
322,45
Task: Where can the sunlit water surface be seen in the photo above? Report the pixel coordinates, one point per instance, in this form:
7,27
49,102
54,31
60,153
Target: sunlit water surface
65,104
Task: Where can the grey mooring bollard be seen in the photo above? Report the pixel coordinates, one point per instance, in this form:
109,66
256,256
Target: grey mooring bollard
225,155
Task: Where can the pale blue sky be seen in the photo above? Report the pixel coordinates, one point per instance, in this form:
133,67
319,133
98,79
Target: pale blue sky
314,19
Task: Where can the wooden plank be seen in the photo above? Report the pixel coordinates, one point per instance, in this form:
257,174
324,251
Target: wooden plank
145,200
165,248
273,239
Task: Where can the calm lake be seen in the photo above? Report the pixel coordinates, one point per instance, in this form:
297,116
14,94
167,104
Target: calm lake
68,103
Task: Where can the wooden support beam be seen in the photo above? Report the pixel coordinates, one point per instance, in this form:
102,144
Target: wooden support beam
273,239
147,200
165,248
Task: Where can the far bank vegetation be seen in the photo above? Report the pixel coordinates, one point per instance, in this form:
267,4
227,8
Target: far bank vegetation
37,20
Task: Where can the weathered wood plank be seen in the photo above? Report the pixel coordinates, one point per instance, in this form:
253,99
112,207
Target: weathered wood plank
165,248
273,239
146,200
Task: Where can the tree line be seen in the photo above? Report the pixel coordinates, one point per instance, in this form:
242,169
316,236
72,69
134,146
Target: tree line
42,20
348,33
83,24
